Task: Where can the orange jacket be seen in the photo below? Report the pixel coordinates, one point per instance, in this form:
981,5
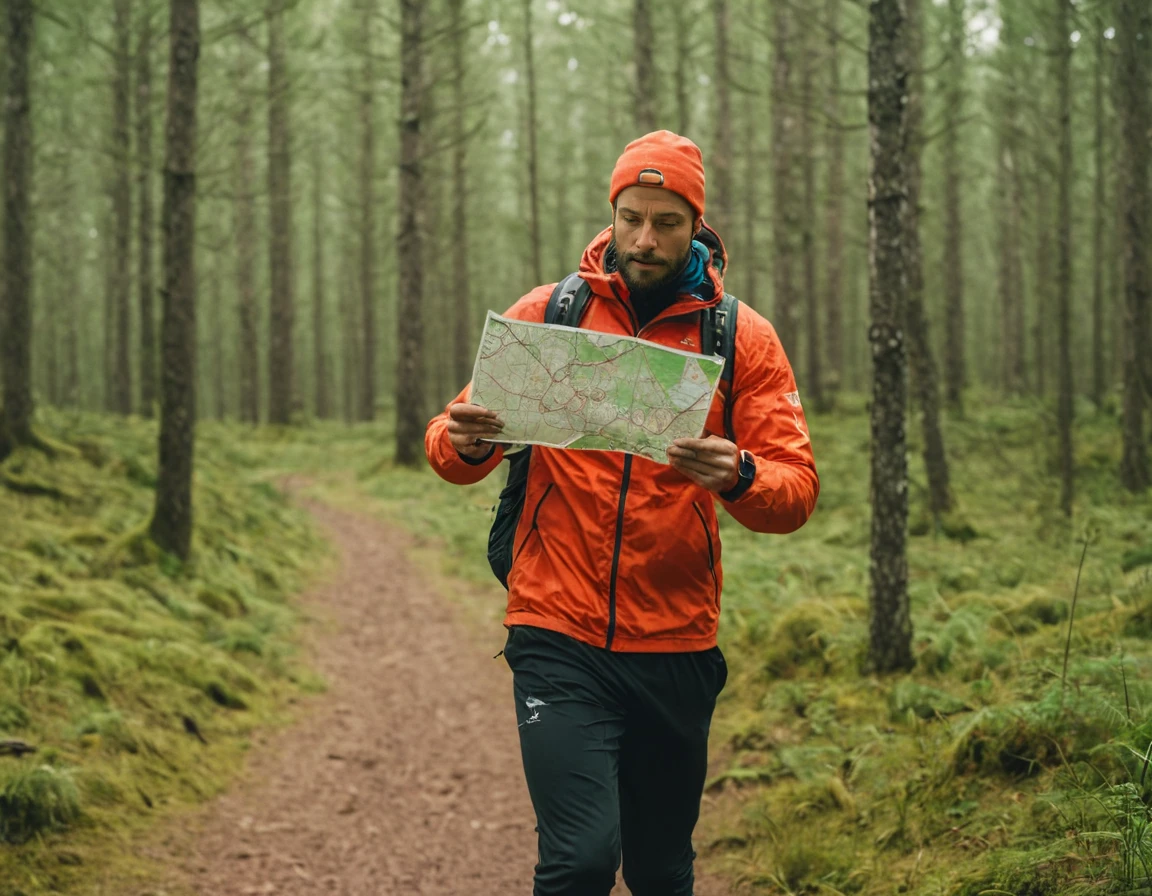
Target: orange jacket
623,552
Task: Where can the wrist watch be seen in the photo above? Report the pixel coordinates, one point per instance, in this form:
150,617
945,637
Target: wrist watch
747,471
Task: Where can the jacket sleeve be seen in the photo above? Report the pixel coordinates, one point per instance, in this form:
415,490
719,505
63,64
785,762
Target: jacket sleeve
768,421
449,463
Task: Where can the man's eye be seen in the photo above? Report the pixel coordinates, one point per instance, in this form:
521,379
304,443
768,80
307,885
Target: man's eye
667,225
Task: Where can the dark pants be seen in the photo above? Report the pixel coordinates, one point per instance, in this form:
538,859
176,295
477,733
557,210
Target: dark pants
615,750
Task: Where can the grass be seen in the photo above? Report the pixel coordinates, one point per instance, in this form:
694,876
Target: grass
112,654
985,770
981,771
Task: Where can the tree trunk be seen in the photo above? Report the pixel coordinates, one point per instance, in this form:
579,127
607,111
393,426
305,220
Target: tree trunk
248,346
319,320
752,168
682,78
530,128
1043,277
367,200
1133,92
890,623
955,365
1099,384
784,223
1010,279
15,309
720,165
645,66
463,349
145,224
216,330
171,526
409,242
122,210
813,368
281,366
1063,63
923,379
834,210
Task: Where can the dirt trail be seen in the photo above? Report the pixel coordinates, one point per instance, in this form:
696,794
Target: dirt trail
404,777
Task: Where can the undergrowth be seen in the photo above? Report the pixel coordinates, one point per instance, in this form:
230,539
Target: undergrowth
136,678
988,769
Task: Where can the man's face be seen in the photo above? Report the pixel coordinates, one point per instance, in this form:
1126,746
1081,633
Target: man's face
653,230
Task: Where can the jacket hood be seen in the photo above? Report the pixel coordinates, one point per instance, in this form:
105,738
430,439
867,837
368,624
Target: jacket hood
607,283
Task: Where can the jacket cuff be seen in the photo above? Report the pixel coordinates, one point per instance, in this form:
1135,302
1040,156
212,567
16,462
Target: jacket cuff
477,461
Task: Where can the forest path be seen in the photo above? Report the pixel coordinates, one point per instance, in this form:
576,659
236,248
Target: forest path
404,776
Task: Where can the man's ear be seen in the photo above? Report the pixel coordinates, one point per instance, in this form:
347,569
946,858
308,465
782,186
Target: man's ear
696,227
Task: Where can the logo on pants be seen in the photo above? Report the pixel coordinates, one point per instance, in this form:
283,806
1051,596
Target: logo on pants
534,705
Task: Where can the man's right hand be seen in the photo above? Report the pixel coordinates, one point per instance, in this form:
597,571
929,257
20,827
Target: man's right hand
468,424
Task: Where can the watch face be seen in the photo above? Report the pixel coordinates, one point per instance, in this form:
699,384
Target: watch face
747,465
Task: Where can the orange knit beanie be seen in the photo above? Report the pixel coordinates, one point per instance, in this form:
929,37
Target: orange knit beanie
662,159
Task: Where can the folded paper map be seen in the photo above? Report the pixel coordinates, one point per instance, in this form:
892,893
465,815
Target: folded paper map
572,388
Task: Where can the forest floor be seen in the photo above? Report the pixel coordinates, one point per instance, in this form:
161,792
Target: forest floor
403,777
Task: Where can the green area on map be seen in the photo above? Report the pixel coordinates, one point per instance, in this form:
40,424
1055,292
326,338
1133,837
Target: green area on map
572,388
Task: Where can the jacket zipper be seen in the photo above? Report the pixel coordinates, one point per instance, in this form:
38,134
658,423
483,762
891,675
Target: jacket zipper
616,551
711,556
535,517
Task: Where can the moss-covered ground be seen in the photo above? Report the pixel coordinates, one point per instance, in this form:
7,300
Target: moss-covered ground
139,680
989,769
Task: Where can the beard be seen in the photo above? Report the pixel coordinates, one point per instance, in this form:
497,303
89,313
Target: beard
655,287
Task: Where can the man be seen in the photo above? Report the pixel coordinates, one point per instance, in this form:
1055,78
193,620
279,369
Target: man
614,591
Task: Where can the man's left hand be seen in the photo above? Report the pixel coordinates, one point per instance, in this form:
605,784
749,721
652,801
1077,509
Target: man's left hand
712,462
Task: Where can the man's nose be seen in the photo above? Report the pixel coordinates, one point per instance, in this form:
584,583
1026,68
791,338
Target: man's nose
647,237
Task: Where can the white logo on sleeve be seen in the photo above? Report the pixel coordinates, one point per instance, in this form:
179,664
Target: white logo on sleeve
533,704
793,398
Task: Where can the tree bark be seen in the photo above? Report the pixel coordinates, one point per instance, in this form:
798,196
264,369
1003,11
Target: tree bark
409,243
533,164
1098,211
924,379
645,106
955,362
834,210
784,223
681,76
122,210
813,366
463,349
367,199
171,525
890,623
1133,91
282,305
1010,279
16,307
216,330
1043,276
752,169
720,165
1063,64
248,346
323,405
145,220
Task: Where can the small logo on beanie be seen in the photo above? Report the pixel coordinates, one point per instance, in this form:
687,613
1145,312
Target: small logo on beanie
651,176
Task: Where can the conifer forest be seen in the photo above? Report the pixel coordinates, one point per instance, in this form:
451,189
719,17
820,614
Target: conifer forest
246,254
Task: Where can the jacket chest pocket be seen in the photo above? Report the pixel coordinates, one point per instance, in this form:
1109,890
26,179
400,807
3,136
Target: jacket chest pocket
534,527
709,541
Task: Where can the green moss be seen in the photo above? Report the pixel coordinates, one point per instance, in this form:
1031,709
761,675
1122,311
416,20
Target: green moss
34,799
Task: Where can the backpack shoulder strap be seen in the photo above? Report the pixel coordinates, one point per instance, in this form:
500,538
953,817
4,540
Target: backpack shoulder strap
568,301
718,335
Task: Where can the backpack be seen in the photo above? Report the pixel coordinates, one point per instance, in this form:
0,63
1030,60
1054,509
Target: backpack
566,306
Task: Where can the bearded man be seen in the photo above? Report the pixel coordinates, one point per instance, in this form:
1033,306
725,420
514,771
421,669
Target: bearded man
615,578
